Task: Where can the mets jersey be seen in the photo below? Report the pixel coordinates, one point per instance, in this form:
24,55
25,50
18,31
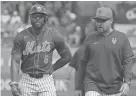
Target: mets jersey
36,52
108,60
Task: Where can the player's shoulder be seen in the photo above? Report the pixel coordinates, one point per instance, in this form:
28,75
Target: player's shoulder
20,35
56,34
53,31
24,31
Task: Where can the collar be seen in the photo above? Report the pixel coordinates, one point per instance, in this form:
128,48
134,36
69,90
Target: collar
42,31
108,33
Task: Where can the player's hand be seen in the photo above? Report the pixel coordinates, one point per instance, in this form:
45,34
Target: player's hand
124,89
77,93
15,90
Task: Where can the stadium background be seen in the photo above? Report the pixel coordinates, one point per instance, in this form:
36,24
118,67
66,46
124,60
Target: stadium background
73,20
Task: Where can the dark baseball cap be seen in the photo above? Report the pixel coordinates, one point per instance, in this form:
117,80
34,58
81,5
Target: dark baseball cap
103,13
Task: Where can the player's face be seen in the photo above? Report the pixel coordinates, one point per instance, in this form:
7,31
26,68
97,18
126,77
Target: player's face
37,20
103,25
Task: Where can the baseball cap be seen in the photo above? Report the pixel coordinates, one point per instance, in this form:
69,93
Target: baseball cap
103,13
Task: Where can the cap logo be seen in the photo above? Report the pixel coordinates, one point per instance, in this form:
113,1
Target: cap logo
38,8
99,11
114,40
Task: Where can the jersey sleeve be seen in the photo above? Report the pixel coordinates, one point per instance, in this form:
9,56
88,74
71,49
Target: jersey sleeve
85,53
81,67
60,44
76,59
16,45
127,50
127,55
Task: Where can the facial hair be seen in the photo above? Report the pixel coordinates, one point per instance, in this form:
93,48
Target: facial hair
37,25
37,28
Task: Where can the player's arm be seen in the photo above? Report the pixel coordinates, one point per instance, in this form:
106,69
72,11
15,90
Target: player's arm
75,59
15,58
64,52
81,70
15,65
127,55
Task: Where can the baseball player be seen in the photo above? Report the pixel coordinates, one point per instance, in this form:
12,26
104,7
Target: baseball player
105,66
34,46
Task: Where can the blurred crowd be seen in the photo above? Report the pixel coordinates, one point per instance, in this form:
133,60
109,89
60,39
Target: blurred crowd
15,17
71,18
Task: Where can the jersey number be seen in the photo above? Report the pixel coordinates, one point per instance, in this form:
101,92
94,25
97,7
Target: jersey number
46,59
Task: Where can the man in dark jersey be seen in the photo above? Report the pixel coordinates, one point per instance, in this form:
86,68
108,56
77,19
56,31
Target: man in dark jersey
106,62
34,46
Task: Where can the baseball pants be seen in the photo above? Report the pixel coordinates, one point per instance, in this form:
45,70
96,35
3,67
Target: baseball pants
37,87
94,93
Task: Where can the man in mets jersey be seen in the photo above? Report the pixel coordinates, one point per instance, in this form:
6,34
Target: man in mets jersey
34,46
106,62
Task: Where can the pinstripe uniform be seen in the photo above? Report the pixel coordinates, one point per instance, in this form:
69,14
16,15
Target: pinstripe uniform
36,55
36,52
41,87
94,93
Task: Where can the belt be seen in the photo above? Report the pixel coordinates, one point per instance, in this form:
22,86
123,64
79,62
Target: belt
37,76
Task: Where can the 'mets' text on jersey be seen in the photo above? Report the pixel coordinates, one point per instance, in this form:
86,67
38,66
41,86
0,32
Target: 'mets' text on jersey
36,52
30,49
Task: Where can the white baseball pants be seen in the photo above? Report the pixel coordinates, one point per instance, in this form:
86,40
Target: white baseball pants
37,87
94,93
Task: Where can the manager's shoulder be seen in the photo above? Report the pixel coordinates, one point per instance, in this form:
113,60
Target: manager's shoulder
120,34
88,37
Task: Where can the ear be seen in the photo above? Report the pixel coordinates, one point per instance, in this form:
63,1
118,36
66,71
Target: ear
111,20
30,17
45,19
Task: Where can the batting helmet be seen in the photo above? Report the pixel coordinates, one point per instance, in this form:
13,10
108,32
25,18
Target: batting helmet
37,8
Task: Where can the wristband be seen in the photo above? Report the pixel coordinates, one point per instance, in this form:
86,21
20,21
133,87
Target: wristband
128,83
13,83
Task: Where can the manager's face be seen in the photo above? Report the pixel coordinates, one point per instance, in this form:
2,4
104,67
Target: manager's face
103,25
